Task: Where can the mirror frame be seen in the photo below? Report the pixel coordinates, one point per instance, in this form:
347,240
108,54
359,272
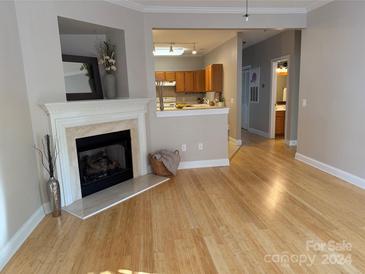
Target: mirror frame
93,61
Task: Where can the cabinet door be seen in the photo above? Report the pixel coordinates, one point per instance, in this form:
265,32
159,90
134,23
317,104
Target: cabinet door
208,82
170,76
160,76
199,80
216,77
189,81
180,81
280,123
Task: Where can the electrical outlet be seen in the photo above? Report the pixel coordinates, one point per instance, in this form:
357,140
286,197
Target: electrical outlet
183,147
200,146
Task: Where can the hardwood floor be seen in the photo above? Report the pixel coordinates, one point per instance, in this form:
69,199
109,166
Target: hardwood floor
238,219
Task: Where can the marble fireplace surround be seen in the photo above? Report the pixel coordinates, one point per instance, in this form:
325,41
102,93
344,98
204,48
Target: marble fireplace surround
71,120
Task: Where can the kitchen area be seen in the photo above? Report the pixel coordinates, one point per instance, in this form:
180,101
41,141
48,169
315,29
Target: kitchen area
184,79
194,89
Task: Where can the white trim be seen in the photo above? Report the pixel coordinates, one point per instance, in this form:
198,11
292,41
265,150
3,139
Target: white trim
204,163
221,10
192,112
259,132
237,142
273,91
291,143
346,176
128,4
20,236
214,10
82,113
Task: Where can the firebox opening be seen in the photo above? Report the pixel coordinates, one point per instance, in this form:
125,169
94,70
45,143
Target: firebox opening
104,160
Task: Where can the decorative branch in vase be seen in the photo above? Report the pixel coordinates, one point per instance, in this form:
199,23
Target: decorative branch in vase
107,59
48,159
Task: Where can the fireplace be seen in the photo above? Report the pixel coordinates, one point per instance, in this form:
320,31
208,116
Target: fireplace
104,160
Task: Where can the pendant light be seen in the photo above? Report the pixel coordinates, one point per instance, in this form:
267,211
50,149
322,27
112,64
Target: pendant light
194,50
246,14
171,48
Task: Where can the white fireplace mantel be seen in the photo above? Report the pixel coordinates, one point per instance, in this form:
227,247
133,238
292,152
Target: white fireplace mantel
86,113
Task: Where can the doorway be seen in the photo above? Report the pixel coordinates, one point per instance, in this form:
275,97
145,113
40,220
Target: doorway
245,97
279,96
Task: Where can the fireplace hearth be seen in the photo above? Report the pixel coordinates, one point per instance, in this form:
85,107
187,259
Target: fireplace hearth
104,160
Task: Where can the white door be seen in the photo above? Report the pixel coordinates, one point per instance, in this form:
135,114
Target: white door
245,99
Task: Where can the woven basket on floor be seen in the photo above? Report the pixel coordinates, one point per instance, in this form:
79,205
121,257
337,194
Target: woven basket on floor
158,168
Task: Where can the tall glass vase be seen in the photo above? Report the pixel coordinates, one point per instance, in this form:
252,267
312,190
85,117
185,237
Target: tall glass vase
54,194
110,86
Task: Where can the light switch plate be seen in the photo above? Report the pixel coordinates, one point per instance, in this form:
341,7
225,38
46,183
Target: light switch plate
304,103
183,147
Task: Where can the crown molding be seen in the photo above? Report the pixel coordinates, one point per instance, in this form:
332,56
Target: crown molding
130,4
318,4
203,10
221,10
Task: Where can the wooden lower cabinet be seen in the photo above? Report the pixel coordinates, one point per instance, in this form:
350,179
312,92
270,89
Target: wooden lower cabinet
280,123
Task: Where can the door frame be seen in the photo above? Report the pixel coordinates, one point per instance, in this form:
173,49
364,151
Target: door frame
274,63
244,70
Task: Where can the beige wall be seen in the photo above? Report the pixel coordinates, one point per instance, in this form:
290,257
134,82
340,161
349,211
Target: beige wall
226,54
331,127
19,191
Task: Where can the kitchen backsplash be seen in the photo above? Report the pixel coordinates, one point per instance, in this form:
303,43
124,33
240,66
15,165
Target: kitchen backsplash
190,98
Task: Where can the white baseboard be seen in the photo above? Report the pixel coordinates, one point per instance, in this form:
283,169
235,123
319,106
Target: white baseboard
237,142
204,163
291,143
19,237
346,176
47,208
259,132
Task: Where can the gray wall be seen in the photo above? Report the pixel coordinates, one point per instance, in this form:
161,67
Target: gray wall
260,55
331,127
41,50
226,54
19,191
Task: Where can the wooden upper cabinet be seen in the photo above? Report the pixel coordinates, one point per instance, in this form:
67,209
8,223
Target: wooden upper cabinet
180,81
214,78
189,81
199,81
170,76
159,76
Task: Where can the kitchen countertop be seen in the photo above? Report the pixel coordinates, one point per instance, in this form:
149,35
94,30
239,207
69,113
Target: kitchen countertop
192,110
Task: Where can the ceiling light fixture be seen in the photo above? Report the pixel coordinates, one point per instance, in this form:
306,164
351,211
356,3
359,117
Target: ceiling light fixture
246,14
171,48
194,50
166,51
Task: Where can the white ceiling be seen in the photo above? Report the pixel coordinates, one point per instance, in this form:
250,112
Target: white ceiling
207,40
230,6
